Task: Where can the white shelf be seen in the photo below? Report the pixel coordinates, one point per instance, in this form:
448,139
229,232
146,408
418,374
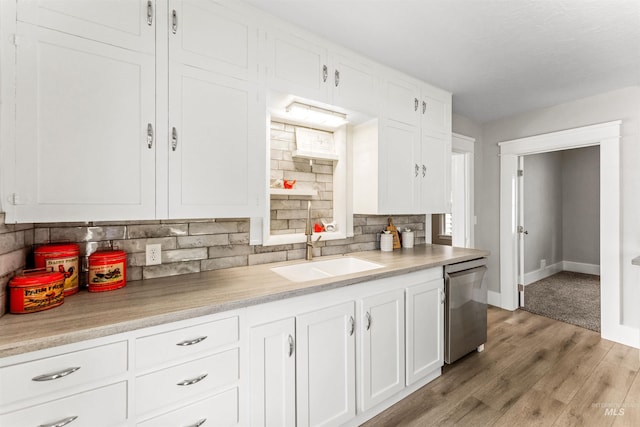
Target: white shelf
315,155
293,192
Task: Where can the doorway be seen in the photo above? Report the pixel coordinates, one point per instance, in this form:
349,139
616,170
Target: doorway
559,260
456,228
607,136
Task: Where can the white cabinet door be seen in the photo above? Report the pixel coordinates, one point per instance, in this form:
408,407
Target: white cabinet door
325,366
297,66
425,329
401,101
214,165
273,374
83,110
398,177
382,357
127,24
435,111
435,173
210,36
355,84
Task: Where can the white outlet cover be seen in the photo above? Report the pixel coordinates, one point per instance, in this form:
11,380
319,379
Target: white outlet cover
153,254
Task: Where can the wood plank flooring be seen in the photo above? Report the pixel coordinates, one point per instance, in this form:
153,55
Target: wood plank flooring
534,371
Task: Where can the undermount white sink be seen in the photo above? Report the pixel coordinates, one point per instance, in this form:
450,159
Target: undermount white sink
321,269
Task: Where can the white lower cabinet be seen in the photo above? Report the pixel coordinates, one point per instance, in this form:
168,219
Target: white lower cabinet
424,345
102,407
307,368
325,366
382,362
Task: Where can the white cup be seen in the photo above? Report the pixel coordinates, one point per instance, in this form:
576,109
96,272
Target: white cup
407,239
386,242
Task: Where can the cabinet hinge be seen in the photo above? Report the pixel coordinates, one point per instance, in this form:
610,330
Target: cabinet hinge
520,172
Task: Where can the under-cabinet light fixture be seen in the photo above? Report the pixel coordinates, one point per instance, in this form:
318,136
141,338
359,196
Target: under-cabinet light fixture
316,115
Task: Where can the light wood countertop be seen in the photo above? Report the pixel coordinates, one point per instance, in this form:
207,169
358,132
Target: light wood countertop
153,302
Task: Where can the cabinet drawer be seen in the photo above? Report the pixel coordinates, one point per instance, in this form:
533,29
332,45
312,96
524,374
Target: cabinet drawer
102,407
167,346
185,381
220,410
52,374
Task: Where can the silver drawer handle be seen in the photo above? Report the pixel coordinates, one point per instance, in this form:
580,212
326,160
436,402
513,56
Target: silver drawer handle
368,321
193,380
174,21
353,325
56,375
198,423
191,342
149,135
415,104
325,73
291,345
149,13
60,423
424,171
174,139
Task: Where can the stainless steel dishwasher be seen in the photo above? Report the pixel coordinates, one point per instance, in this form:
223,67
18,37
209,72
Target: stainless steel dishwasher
465,309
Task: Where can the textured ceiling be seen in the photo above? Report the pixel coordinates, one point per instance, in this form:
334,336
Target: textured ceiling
498,57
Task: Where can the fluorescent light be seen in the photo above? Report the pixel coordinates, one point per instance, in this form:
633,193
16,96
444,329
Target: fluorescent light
316,115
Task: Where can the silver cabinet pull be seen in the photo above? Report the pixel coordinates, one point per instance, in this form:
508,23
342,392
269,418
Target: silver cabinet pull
443,297
291,345
192,380
325,73
60,423
186,343
416,169
368,321
198,423
353,325
424,107
415,104
174,21
424,171
149,12
149,135
56,375
337,77
174,139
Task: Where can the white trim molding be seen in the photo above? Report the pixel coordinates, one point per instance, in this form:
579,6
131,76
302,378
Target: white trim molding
550,270
607,136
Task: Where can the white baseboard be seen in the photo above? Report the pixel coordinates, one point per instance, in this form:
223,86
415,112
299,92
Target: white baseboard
550,270
493,298
580,267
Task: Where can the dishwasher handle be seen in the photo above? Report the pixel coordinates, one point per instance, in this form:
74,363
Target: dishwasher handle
466,265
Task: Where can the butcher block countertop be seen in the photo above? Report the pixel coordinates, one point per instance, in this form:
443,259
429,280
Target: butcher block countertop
154,302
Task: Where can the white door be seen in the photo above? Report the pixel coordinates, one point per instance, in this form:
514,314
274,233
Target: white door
325,366
273,374
435,173
382,358
83,113
425,328
399,179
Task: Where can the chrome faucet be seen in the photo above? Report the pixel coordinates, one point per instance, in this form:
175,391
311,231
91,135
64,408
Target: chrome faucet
308,231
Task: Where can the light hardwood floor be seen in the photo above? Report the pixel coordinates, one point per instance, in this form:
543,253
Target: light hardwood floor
534,371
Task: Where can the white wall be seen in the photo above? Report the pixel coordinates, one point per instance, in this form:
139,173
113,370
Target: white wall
581,205
623,104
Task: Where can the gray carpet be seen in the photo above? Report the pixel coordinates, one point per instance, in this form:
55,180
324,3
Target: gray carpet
566,296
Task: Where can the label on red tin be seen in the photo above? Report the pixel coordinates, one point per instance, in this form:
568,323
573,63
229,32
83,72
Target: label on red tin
69,269
37,298
105,275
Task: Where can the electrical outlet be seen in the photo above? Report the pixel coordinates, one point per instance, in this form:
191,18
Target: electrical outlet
543,264
154,254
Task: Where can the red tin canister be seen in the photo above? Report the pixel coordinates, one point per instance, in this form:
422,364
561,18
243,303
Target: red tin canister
107,270
63,258
35,291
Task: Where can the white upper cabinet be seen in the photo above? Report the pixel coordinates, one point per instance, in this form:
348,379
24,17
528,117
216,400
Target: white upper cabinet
297,66
85,126
125,24
115,122
408,150
214,116
309,69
